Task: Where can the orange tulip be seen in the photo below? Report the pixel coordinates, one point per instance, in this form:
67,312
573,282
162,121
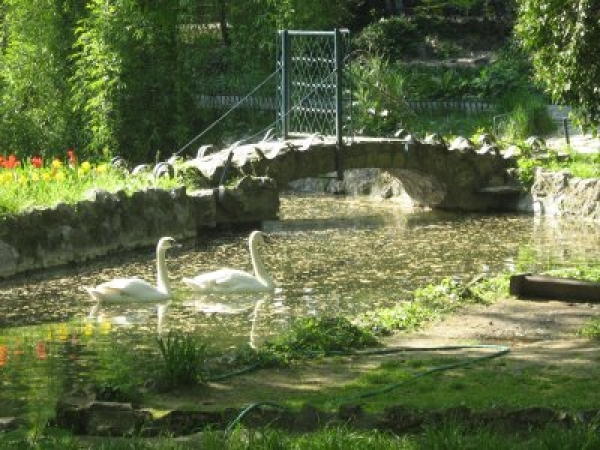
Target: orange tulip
40,350
3,355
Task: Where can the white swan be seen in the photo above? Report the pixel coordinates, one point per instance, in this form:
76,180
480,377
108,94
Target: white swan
136,290
224,281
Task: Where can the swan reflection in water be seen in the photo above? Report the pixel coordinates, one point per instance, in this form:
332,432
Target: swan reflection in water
118,317
257,307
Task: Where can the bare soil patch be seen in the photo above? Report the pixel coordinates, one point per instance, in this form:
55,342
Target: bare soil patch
538,332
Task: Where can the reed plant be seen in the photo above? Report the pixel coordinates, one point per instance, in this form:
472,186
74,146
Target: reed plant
183,357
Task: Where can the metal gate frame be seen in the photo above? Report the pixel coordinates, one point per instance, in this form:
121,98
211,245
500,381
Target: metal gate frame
310,103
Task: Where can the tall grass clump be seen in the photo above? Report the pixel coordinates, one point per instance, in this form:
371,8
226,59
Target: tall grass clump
183,358
526,114
379,95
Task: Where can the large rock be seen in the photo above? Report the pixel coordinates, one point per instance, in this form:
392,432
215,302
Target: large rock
559,194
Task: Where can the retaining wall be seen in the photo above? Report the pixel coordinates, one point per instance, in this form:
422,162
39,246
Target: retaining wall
106,222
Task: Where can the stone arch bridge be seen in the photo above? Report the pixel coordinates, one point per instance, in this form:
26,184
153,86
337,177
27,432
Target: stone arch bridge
459,176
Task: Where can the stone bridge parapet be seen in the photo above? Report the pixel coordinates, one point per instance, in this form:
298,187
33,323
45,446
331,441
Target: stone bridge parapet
460,176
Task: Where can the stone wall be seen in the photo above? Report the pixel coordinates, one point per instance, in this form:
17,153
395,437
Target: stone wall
561,195
112,222
553,194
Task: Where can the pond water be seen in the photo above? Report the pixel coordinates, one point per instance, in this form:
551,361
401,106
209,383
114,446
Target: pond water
329,256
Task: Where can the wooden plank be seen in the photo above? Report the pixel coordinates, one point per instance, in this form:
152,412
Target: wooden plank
554,288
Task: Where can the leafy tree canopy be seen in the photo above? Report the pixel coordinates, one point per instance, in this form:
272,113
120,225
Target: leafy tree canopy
563,38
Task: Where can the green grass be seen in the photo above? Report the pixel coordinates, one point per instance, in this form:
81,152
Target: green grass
582,165
183,356
487,385
431,302
448,436
592,329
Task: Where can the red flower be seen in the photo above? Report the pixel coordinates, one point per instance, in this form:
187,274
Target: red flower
36,162
11,162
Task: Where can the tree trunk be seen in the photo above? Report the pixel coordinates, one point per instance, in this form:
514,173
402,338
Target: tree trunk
223,22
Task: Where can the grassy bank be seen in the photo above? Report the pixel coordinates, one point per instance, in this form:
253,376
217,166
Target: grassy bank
285,371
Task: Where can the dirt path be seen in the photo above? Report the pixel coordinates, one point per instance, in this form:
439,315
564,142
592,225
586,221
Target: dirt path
543,332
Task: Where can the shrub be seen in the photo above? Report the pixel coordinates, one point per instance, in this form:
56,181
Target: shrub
379,96
394,38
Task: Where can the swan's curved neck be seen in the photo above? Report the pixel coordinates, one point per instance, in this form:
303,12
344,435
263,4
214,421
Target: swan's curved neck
162,277
259,268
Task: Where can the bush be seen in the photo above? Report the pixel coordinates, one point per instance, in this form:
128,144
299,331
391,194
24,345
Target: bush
394,39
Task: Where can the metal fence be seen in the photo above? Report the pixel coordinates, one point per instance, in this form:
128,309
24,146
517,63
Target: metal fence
467,106
272,104
311,93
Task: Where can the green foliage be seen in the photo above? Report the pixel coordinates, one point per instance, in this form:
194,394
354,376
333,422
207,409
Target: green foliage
395,39
382,90
588,273
97,79
23,193
124,84
563,39
510,71
319,336
430,34
183,358
451,435
117,376
526,170
255,23
379,96
581,165
432,301
526,115
34,69
592,329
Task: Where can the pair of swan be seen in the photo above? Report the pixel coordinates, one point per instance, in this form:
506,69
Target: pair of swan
222,281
